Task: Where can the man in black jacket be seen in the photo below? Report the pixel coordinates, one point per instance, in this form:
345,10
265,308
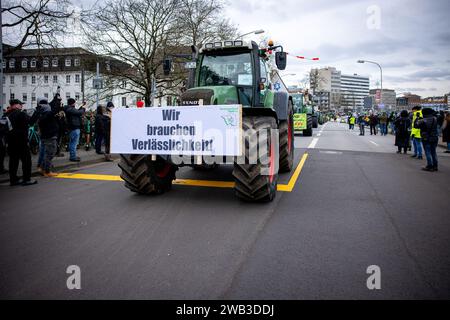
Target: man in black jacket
17,140
430,138
48,127
74,124
58,109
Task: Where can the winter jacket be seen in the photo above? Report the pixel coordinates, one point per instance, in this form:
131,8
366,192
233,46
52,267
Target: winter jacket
402,125
428,128
48,124
446,131
415,131
74,116
20,122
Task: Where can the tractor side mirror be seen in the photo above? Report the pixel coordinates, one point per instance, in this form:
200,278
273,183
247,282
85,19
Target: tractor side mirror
281,60
167,66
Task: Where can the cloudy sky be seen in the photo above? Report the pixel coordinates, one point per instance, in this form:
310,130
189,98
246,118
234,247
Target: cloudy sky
409,38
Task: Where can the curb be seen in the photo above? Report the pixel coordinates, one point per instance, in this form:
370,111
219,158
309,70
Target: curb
65,166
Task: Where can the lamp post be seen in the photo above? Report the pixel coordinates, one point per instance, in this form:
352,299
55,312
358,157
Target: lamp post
381,78
253,32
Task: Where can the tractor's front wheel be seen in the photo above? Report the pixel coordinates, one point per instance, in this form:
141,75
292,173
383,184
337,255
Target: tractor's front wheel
256,173
144,176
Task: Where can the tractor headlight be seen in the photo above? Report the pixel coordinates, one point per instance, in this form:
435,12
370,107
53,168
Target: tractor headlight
217,44
228,43
239,43
209,45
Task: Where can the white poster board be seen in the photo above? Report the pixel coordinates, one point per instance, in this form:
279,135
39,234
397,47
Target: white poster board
200,130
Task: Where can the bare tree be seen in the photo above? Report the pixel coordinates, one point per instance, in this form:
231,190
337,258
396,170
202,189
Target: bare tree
202,21
34,23
136,32
315,80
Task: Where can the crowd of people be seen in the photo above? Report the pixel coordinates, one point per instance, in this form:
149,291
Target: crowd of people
60,127
418,130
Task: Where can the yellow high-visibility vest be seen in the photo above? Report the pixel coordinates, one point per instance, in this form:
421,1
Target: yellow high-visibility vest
415,132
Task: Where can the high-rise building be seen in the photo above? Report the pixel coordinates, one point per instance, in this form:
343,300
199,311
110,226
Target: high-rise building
388,99
354,89
345,91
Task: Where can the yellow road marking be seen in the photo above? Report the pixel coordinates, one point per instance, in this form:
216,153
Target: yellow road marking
188,182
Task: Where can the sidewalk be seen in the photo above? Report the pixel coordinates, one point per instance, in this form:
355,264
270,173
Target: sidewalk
63,163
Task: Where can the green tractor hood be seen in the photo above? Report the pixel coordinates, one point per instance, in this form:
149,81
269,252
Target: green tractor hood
214,95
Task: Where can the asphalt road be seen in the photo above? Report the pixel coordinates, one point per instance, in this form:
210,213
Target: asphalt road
355,204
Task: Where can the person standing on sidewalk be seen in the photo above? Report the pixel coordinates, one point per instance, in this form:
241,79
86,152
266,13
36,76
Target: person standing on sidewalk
402,125
373,122
17,140
107,126
99,130
384,124
74,123
446,131
48,127
58,109
5,127
415,133
429,132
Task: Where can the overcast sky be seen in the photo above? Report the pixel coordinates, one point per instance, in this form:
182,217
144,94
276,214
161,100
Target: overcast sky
409,38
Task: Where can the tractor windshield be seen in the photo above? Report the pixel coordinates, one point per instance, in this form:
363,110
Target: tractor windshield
226,70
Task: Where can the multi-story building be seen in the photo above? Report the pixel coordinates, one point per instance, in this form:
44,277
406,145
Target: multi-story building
354,89
327,81
408,101
29,74
437,103
388,99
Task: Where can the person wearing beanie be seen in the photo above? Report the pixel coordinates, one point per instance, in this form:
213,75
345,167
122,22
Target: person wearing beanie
74,123
402,125
415,133
48,128
107,128
429,133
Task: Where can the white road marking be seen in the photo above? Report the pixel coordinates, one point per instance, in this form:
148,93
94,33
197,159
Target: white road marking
313,143
374,143
319,134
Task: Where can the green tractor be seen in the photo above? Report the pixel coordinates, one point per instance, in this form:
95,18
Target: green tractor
236,73
305,118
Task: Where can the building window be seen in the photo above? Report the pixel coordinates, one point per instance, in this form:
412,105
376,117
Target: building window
24,97
124,101
11,80
33,63
4,64
46,79
24,63
24,81
33,79
12,96
77,96
46,63
108,66
76,62
4,79
67,95
77,78
68,62
55,79
68,79
33,97
55,62
12,64
46,95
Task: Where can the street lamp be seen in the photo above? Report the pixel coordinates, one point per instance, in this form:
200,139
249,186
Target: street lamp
381,72
253,32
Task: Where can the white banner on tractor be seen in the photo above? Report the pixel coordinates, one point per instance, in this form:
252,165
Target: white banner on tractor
197,131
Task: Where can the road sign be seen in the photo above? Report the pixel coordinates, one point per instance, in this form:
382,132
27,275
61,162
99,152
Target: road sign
190,65
97,83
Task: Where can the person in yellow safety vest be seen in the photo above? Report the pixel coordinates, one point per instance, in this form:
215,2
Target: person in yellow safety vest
351,122
415,133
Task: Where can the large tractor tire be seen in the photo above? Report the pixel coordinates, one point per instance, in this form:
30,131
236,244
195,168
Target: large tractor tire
286,131
308,131
144,176
315,123
251,182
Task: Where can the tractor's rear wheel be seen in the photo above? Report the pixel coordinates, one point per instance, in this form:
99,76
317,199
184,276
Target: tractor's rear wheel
256,179
315,123
308,131
144,176
286,131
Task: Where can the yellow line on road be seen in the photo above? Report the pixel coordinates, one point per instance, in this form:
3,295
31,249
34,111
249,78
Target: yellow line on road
188,182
